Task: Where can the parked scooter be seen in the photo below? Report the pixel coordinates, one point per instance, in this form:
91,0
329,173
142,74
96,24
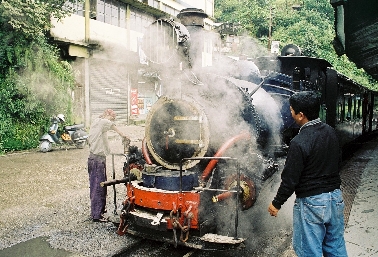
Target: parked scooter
72,135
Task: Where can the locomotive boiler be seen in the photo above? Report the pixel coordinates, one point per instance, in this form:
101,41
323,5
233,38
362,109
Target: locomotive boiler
209,146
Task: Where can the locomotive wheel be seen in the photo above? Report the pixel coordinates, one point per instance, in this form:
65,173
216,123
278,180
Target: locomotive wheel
81,145
247,186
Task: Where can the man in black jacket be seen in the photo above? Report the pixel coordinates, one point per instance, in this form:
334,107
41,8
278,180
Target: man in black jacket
312,172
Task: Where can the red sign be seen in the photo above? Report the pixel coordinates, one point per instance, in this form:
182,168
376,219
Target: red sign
134,101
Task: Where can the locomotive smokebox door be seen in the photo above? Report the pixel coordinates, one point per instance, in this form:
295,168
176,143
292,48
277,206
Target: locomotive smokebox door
177,129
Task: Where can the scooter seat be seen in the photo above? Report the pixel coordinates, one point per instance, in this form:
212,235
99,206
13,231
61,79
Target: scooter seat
74,127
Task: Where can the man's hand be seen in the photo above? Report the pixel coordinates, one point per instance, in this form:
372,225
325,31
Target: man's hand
126,140
273,210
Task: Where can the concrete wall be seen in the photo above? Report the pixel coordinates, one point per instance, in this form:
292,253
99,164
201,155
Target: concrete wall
72,29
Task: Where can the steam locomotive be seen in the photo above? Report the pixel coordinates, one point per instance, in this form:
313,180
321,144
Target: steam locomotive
208,166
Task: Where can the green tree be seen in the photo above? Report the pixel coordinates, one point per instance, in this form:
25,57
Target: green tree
310,27
34,82
251,14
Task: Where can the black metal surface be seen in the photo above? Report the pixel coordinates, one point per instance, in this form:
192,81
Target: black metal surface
170,180
356,30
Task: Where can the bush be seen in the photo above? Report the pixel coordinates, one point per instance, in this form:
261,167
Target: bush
20,136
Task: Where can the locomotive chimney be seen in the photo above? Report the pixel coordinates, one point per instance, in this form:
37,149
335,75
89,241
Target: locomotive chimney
192,17
193,20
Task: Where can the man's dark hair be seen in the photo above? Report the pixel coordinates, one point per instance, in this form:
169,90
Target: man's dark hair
306,102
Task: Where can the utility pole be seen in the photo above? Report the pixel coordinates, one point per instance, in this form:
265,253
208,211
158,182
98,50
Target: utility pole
86,67
286,5
270,26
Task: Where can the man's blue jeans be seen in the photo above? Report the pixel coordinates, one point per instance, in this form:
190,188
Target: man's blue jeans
318,225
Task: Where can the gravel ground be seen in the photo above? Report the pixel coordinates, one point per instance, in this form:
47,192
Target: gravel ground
47,195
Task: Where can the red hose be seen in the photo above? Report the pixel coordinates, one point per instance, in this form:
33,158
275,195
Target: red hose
223,196
210,166
145,152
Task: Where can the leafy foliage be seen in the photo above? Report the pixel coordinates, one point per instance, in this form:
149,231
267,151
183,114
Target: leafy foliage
32,18
251,14
34,83
310,27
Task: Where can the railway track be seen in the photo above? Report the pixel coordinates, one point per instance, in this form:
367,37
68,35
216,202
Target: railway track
149,248
145,247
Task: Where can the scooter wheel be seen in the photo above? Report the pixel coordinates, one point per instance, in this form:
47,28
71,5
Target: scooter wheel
81,145
45,146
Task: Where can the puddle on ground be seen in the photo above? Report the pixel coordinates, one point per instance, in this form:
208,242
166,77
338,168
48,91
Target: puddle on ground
37,247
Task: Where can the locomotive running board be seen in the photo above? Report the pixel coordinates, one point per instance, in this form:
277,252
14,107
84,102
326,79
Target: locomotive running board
207,242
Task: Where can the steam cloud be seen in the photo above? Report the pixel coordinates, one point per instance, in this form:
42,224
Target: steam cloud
219,93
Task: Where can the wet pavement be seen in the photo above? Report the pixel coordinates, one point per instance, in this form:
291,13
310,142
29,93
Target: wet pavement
361,233
34,247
